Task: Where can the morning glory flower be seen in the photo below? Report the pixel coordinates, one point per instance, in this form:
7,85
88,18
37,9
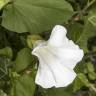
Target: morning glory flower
57,58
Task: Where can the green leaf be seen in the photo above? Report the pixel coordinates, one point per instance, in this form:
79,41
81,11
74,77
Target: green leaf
7,51
23,59
91,71
92,14
23,86
80,34
3,3
83,79
81,67
2,93
80,81
92,20
90,67
58,91
35,15
88,32
74,31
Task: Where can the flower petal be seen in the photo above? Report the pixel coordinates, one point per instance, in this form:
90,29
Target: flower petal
58,36
44,76
68,56
53,72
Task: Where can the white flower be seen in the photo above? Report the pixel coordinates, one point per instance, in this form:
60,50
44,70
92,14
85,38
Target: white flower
57,58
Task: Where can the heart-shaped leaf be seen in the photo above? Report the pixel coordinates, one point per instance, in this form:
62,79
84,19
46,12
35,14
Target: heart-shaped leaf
35,15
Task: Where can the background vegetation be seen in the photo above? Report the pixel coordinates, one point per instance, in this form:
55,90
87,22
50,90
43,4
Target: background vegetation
24,21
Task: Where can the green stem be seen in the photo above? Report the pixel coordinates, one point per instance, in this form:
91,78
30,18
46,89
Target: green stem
92,87
88,5
81,12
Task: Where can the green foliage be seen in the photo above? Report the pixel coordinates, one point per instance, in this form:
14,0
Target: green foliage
59,92
76,29
23,59
4,63
20,20
92,20
6,52
91,71
3,3
80,34
2,93
88,32
23,86
30,15
81,81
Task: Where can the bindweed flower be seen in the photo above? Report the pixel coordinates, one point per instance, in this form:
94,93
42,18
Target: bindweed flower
57,58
